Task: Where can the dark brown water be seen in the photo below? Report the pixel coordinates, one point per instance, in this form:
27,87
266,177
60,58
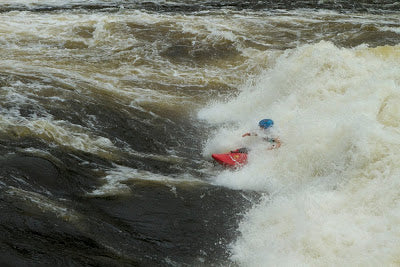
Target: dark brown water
102,157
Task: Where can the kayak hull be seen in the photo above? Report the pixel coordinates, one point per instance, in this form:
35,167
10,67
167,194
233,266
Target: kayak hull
231,159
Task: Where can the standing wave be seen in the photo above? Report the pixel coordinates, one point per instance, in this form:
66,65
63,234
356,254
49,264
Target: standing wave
331,192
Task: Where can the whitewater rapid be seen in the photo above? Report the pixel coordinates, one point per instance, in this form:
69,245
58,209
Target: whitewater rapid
110,110
331,192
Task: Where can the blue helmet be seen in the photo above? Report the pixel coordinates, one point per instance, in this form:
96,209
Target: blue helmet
266,123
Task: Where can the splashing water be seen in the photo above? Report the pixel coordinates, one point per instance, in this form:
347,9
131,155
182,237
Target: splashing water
332,188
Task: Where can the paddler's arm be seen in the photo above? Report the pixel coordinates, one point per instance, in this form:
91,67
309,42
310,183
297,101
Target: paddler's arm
249,134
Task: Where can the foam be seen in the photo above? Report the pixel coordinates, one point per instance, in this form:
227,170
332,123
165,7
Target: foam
116,179
332,186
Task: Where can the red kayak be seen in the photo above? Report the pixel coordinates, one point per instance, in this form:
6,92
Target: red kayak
231,159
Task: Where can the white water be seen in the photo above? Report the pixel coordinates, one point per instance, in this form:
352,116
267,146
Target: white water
115,181
332,189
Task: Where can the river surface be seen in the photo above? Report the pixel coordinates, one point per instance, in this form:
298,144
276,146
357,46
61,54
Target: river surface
110,111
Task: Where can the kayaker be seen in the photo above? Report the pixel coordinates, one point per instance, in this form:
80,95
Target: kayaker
265,126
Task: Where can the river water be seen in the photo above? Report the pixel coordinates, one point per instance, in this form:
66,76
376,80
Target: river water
110,110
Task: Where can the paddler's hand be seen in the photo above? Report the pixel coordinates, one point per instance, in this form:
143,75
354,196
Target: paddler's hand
246,134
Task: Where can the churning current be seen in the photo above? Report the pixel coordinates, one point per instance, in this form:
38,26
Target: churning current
110,111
